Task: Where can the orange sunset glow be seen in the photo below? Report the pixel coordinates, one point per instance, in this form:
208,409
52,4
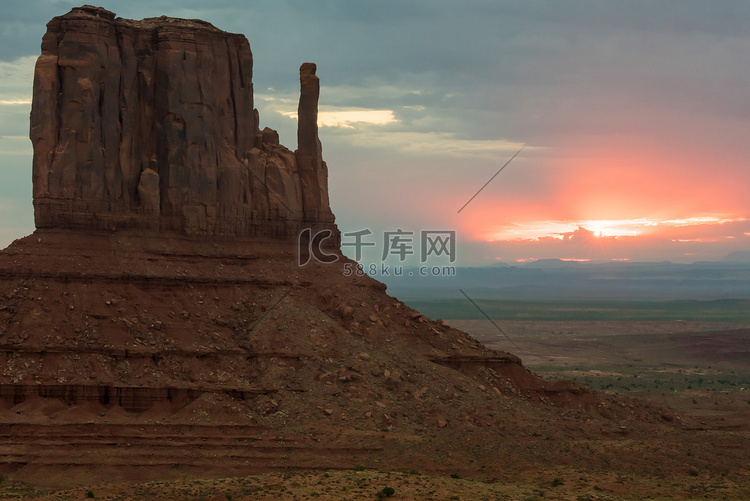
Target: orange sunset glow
610,204
562,230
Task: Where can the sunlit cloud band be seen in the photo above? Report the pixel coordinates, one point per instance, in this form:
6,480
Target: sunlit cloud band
560,230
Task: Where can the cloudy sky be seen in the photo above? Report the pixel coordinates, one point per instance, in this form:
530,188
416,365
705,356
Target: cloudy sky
633,117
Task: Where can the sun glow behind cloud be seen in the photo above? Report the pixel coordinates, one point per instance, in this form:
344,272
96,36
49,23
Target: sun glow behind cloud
561,230
347,118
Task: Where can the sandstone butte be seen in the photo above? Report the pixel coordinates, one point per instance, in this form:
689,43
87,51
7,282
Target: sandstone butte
151,125
157,324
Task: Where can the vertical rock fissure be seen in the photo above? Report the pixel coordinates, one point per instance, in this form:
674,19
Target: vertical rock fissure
58,92
235,113
125,189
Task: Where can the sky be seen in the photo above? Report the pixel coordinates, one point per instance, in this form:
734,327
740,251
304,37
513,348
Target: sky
631,118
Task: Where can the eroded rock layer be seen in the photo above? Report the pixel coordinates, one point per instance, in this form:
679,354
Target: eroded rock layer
151,124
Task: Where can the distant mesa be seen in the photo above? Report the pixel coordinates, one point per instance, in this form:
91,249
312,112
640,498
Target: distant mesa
737,257
548,263
151,124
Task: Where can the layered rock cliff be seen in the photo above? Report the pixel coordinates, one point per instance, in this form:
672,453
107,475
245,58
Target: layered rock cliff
151,124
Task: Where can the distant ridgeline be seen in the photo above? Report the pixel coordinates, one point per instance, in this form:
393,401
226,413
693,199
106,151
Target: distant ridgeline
560,280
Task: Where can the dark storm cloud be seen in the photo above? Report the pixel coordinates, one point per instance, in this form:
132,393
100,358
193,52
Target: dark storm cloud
475,47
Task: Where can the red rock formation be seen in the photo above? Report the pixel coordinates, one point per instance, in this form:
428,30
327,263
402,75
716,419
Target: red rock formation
312,169
151,124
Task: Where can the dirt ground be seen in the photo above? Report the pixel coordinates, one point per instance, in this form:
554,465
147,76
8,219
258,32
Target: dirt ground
569,484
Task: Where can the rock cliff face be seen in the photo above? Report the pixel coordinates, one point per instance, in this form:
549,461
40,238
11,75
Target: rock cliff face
150,124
